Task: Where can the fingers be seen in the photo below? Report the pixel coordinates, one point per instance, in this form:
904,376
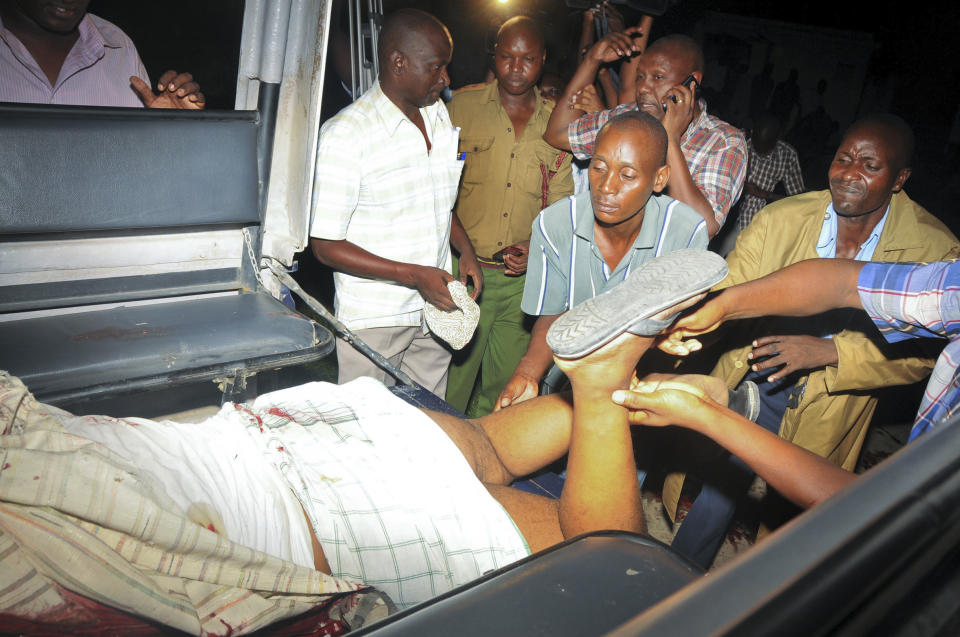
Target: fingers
659,384
477,276
516,265
703,320
645,407
433,288
622,43
680,94
172,81
518,389
142,89
679,105
181,90
675,345
764,347
165,79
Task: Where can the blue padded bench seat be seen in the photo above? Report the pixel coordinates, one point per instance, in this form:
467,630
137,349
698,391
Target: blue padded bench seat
85,354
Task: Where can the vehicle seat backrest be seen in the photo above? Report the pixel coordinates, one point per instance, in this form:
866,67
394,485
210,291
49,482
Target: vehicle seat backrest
107,204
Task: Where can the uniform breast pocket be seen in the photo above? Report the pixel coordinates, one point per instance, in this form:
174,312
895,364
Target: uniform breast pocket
478,158
540,165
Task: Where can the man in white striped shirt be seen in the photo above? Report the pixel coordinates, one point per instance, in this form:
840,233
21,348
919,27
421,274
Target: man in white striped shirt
589,243
387,177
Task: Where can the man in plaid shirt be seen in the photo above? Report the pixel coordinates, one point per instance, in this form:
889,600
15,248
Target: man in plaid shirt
772,161
707,156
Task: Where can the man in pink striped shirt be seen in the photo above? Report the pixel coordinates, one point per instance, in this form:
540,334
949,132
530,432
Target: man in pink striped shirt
54,52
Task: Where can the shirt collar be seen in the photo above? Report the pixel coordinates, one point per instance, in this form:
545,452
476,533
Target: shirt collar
392,117
827,243
86,50
110,38
703,121
647,236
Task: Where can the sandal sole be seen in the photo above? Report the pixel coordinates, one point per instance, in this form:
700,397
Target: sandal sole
657,285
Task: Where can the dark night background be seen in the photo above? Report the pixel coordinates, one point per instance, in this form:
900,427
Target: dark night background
910,65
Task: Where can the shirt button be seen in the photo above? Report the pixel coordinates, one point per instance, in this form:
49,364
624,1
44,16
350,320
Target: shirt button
512,155
499,243
738,364
826,215
505,215
508,184
509,130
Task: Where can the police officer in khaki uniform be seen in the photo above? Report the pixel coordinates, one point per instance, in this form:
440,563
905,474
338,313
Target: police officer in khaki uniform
510,175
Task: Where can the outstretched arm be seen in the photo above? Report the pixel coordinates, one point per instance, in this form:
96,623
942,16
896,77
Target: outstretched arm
802,289
802,477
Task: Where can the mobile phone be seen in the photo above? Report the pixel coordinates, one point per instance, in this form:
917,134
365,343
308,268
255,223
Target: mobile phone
498,256
687,81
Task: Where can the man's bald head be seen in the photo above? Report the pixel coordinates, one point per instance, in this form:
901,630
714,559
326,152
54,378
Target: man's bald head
405,29
681,48
895,132
525,25
656,136
414,51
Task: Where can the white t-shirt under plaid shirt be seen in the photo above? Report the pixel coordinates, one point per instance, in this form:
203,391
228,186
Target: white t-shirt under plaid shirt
377,187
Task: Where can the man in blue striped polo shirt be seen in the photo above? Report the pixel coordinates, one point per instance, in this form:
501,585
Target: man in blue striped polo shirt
588,243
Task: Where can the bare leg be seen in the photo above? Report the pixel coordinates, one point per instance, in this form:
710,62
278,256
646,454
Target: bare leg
513,442
601,491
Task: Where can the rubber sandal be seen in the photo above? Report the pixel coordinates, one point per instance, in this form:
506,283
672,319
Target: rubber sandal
655,286
745,400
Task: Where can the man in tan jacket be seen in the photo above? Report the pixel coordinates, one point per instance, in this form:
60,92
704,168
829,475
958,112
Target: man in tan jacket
820,371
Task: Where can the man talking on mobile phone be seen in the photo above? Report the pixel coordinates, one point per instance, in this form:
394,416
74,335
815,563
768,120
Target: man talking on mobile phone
707,156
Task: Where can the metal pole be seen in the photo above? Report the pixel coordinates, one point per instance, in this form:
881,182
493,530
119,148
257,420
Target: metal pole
354,8
376,20
342,330
357,26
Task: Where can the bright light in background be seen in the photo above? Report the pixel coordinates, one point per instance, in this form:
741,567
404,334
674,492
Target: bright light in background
503,1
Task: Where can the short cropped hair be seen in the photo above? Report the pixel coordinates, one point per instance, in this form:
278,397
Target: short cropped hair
647,123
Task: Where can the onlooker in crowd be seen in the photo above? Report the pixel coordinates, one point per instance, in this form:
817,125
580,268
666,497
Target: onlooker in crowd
587,244
821,371
57,53
772,161
387,176
510,175
904,301
707,157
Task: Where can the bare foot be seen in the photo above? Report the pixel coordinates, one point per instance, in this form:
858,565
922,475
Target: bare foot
610,367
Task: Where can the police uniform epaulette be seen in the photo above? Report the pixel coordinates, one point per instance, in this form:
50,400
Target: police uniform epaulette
471,87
